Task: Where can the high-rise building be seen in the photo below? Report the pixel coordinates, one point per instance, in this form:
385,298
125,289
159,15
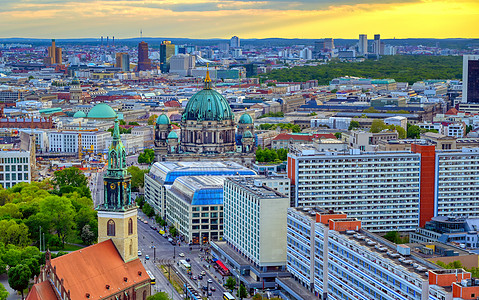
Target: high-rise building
144,63
54,54
235,42
167,50
123,61
470,79
363,44
329,43
377,44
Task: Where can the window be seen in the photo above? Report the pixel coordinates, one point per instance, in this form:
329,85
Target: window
110,228
130,226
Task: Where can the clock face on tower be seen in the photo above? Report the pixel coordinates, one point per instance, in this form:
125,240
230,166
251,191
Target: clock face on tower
112,186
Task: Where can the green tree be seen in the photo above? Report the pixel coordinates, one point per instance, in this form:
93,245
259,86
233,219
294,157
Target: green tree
159,296
392,236
370,110
87,235
148,210
377,126
122,122
60,214
257,297
70,180
3,292
413,131
173,231
242,293
140,201
338,135
12,257
137,177
353,125
230,283
13,233
134,123
401,132
147,157
19,277
469,128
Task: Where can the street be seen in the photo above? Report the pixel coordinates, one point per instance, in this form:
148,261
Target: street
147,238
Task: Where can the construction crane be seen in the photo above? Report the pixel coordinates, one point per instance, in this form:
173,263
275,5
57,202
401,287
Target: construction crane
79,142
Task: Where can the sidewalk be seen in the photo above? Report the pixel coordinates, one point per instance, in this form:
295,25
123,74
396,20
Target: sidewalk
12,294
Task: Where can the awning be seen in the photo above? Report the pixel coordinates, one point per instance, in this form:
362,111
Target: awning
219,263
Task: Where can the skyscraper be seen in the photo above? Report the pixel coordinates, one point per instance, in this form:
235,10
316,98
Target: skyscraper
235,42
144,62
54,54
167,50
123,61
329,43
377,44
363,44
470,79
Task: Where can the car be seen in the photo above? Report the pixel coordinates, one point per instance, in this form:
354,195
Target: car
147,257
187,259
210,294
181,255
212,288
203,273
146,222
210,281
139,253
205,288
194,278
200,277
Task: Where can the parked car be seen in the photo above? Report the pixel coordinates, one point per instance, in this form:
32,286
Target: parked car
147,257
200,277
212,288
194,277
139,253
181,255
210,294
205,288
203,273
210,281
187,259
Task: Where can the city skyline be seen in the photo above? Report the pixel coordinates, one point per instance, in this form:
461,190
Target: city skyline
246,19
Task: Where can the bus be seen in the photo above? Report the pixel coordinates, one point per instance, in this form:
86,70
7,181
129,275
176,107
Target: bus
185,267
152,278
228,296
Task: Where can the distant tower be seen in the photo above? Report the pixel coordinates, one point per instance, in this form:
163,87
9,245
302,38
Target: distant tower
117,215
470,79
54,54
76,94
329,43
101,44
235,42
377,44
107,44
113,41
363,44
167,50
144,62
162,132
123,61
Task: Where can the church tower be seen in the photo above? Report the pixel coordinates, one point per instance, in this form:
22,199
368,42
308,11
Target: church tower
117,216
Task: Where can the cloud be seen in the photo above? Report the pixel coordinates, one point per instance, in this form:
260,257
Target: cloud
246,18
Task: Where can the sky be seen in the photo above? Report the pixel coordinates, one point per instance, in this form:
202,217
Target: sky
204,19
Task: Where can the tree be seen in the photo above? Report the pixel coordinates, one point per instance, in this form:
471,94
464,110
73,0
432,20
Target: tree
257,297
134,123
413,131
13,233
152,119
242,292
147,157
87,236
377,126
159,296
469,128
370,110
338,135
59,214
173,231
137,177
3,292
148,210
230,283
140,201
71,180
19,277
353,124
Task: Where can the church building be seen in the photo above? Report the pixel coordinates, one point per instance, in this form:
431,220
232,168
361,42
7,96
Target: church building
208,131
110,269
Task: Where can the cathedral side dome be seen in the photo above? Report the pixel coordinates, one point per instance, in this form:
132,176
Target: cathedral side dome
102,111
163,120
245,119
79,114
172,135
248,134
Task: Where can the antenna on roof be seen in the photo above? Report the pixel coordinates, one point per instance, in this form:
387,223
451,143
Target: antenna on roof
141,33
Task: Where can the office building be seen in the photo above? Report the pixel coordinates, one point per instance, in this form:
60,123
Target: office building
123,61
182,64
68,141
162,175
470,79
194,206
14,167
10,96
350,182
330,256
377,44
235,42
254,232
363,44
54,55
144,63
167,50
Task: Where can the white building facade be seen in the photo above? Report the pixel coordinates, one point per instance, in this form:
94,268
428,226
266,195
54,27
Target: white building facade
14,167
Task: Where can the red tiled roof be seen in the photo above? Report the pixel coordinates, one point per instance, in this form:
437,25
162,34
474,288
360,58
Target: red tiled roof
91,269
172,103
452,111
296,137
324,136
42,291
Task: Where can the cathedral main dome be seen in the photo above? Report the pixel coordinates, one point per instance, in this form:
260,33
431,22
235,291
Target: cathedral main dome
207,105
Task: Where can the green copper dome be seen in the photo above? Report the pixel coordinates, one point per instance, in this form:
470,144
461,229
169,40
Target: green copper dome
102,111
245,119
79,114
207,105
247,134
172,135
163,120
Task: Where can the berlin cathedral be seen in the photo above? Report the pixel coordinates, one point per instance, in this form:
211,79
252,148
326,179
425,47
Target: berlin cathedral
208,130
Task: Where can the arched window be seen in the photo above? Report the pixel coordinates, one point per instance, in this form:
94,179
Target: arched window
110,228
144,295
130,226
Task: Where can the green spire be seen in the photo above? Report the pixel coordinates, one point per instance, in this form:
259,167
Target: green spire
116,131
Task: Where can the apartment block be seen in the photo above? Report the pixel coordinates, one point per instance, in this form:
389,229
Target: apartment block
68,141
347,262
382,189
14,167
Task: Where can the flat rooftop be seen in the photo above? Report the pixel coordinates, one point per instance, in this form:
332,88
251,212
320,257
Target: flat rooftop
255,186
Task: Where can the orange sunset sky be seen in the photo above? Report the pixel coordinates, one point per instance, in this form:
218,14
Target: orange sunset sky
246,18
